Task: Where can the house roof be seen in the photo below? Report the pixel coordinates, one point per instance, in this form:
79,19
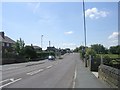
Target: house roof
36,47
6,39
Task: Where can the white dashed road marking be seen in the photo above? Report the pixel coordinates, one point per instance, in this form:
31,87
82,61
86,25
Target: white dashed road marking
49,66
12,68
35,72
75,75
13,81
4,80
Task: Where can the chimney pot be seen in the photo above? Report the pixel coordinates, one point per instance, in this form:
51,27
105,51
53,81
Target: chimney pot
2,34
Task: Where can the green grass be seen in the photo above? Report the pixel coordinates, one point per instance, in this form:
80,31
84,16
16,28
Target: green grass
110,55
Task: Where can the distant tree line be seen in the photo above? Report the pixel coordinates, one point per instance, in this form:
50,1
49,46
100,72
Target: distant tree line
100,49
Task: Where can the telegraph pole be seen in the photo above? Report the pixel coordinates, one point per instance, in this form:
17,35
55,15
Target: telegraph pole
41,41
84,31
49,43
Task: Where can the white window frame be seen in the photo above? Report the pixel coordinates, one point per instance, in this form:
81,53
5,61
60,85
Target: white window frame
8,45
3,44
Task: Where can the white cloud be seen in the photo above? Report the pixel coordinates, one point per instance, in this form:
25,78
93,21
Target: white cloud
94,13
113,38
69,45
114,35
69,32
34,6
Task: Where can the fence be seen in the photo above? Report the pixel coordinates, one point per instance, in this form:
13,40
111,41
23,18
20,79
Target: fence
93,63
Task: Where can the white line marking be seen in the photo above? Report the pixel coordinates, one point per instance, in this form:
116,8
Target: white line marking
10,83
49,66
35,72
73,84
12,79
12,68
4,80
95,73
75,75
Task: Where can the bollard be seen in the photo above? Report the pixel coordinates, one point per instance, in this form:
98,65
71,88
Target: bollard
101,60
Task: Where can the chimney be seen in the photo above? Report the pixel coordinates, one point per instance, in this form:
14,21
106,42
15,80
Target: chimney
2,34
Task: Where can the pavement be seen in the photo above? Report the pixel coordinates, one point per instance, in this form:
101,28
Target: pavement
87,79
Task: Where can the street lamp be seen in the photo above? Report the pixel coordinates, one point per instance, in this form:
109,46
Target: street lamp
41,40
84,31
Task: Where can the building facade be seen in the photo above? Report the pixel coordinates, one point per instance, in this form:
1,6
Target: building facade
6,43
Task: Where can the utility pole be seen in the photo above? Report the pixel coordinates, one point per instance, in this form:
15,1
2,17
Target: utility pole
49,47
49,43
41,41
84,31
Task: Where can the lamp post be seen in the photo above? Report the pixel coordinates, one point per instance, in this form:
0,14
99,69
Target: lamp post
49,43
84,31
41,41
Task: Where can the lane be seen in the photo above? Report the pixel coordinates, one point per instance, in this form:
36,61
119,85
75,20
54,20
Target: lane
22,71
10,67
25,67
27,72
60,75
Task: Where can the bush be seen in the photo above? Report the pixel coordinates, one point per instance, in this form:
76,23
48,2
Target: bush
44,55
29,52
91,52
82,54
106,59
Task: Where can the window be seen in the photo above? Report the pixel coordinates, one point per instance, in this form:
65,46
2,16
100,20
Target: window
3,44
8,45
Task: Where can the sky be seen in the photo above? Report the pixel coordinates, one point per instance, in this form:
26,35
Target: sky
61,23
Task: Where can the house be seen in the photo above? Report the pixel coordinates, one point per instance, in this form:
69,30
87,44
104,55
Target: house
52,49
5,42
37,48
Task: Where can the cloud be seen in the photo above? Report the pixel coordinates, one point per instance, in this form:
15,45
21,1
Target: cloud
69,45
34,6
114,35
69,32
113,38
94,13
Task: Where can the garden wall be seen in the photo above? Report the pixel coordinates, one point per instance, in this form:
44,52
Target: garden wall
110,75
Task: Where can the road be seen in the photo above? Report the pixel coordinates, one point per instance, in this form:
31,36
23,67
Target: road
48,74
61,73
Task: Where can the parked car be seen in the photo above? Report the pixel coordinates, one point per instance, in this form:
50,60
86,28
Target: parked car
50,57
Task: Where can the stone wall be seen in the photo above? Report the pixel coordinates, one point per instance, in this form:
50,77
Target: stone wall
110,75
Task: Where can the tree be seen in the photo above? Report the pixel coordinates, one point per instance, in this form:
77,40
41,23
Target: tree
118,49
115,49
19,46
76,49
90,51
29,52
99,49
